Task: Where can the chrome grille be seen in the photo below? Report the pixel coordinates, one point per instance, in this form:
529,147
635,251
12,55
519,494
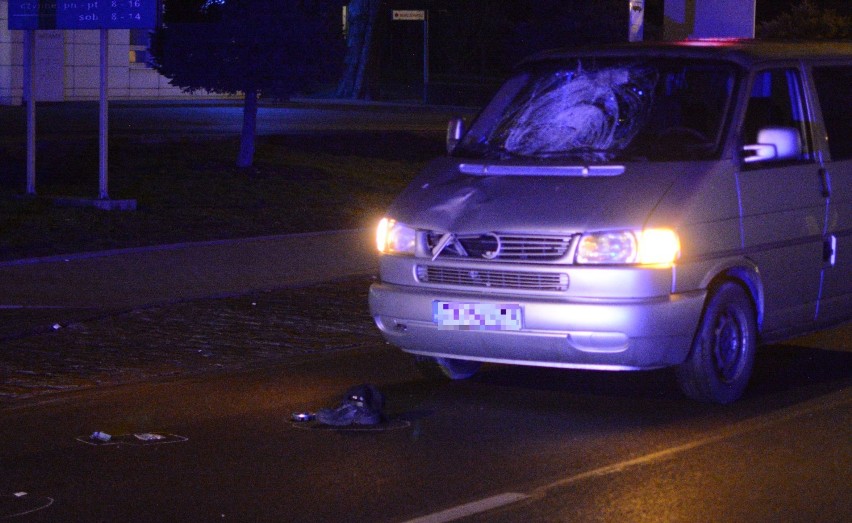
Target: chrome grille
507,247
538,281
534,247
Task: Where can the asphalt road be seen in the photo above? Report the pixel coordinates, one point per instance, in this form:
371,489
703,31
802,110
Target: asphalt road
512,444
218,378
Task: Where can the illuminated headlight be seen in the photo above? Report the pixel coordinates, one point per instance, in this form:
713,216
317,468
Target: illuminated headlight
393,237
658,247
648,247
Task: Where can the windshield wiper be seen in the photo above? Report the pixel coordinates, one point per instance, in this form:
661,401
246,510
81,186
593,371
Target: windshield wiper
582,154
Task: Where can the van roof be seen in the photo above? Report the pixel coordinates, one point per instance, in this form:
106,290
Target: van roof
742,51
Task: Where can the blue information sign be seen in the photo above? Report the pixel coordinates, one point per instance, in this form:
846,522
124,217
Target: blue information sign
83,14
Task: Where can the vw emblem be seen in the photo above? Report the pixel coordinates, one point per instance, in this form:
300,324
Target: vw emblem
494,247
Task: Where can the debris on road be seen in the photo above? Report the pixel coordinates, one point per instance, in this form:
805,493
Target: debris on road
100,436
149,436
302,417
362,405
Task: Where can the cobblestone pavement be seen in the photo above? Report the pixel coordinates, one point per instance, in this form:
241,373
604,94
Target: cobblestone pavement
190,338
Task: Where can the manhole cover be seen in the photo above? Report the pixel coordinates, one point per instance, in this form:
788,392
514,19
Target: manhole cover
138,439
21,504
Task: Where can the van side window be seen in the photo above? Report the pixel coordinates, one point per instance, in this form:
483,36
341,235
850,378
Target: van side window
776,108
834,88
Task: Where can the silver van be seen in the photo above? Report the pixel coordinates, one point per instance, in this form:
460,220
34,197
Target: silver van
632,207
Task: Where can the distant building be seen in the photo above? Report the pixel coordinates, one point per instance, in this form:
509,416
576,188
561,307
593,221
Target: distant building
67,66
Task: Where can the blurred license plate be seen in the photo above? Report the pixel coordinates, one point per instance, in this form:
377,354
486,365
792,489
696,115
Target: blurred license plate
477,316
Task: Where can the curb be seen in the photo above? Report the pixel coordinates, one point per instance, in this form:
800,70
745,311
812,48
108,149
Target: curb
169,247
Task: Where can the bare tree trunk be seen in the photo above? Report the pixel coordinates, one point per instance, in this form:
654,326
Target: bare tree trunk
362,16
361,84
354,41
246,156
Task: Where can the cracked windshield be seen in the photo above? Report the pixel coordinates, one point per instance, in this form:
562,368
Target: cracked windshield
602,110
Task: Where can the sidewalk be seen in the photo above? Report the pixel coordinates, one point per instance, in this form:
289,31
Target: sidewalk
36,294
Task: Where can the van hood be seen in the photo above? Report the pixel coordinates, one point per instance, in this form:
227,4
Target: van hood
521,198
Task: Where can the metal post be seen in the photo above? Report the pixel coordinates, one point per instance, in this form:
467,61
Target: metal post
636,27
104,114
426,57
29,94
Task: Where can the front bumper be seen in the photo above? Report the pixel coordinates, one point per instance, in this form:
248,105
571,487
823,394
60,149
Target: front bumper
616,334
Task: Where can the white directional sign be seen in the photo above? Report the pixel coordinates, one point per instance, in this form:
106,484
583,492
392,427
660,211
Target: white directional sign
83,14
408,15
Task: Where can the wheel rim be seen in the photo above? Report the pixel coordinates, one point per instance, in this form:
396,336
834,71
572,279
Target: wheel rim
459,369
730,343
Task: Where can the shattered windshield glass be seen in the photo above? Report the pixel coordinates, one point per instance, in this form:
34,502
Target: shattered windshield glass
600,110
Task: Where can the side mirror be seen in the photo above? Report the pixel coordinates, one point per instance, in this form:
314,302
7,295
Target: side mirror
455,131
775,143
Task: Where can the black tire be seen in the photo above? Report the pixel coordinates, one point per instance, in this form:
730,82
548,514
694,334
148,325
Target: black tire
453,369
722,357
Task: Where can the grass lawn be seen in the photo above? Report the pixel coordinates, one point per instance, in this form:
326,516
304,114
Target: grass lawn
190,190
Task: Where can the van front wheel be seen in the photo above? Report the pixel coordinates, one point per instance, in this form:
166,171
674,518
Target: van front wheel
446,367
722,357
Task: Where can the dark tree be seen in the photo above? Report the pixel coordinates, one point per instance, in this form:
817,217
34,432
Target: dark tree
807,21
471,37
176,11
273,48
548,24
472,40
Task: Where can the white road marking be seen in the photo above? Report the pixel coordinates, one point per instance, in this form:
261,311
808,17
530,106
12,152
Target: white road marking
469,509
830,401
834,400
175,247
38,307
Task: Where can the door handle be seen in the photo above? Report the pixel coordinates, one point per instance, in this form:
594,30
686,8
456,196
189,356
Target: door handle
825,182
